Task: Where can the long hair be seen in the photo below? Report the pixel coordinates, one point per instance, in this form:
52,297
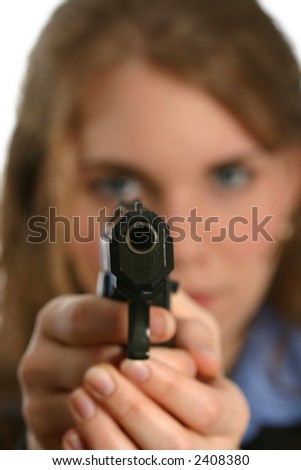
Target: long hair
230,49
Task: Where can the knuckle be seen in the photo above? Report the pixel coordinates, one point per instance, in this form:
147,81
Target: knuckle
133,410
76,310
185,364
180,441
22,370
78,319
32,369
242,409
41,319
31,409
27,369
48,308
55,305
171,384
44,316
238,411
197,332
213,324
27,411
213,411
214,330
179,360
108,354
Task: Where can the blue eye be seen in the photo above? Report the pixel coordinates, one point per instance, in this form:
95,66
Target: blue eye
232,176
121,187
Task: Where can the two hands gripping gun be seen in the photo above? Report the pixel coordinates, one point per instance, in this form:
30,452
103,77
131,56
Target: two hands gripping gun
137,255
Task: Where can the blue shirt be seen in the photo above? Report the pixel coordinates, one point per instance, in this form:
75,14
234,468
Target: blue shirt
269,373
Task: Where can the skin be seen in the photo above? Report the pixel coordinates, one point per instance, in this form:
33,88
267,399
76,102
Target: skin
145,135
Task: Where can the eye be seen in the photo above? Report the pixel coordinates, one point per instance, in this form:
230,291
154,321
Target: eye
119,187
232,176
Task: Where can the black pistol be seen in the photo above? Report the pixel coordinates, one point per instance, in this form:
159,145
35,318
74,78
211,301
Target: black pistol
137,258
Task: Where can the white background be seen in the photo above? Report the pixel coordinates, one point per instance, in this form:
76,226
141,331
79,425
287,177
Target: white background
21,22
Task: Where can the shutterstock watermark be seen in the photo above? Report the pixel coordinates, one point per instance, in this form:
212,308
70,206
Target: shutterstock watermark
54,227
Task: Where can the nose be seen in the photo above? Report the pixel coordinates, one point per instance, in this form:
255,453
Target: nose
185,221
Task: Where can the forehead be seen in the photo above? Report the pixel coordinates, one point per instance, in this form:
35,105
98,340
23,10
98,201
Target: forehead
135,107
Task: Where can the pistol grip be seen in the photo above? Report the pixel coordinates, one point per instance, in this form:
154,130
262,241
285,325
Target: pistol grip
138,340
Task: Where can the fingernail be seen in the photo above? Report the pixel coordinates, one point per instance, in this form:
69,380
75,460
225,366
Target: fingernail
135,370
74,441
160,323
82,405
100,381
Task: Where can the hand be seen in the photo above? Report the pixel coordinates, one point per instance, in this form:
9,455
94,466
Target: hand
150,405
154,405
73,333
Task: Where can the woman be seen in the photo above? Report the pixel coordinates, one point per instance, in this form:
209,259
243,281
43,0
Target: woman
185,106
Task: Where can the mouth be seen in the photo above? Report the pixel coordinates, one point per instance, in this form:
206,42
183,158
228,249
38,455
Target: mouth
203,299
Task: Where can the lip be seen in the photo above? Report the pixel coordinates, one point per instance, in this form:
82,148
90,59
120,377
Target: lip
203,299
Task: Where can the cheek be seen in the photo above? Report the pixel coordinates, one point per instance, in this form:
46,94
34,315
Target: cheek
248,268
253,242
84,249
85,259
256,233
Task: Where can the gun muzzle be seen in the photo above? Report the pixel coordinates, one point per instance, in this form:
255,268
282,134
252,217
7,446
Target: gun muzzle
141,237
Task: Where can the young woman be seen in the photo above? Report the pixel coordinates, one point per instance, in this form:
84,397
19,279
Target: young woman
194,108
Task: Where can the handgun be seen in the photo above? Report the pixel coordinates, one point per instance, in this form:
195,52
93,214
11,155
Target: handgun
137,258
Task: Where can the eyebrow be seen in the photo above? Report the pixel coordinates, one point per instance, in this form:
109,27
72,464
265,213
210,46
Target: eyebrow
112,165
106,165
256,153
114,168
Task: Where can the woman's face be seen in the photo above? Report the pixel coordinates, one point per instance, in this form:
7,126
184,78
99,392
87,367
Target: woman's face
146,135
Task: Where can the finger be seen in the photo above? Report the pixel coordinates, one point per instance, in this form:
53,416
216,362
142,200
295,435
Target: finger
148,425
48,416
72,440
55,366
208,409
96,427
194,337
198,332
46,370
88,319
207,334
178,359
